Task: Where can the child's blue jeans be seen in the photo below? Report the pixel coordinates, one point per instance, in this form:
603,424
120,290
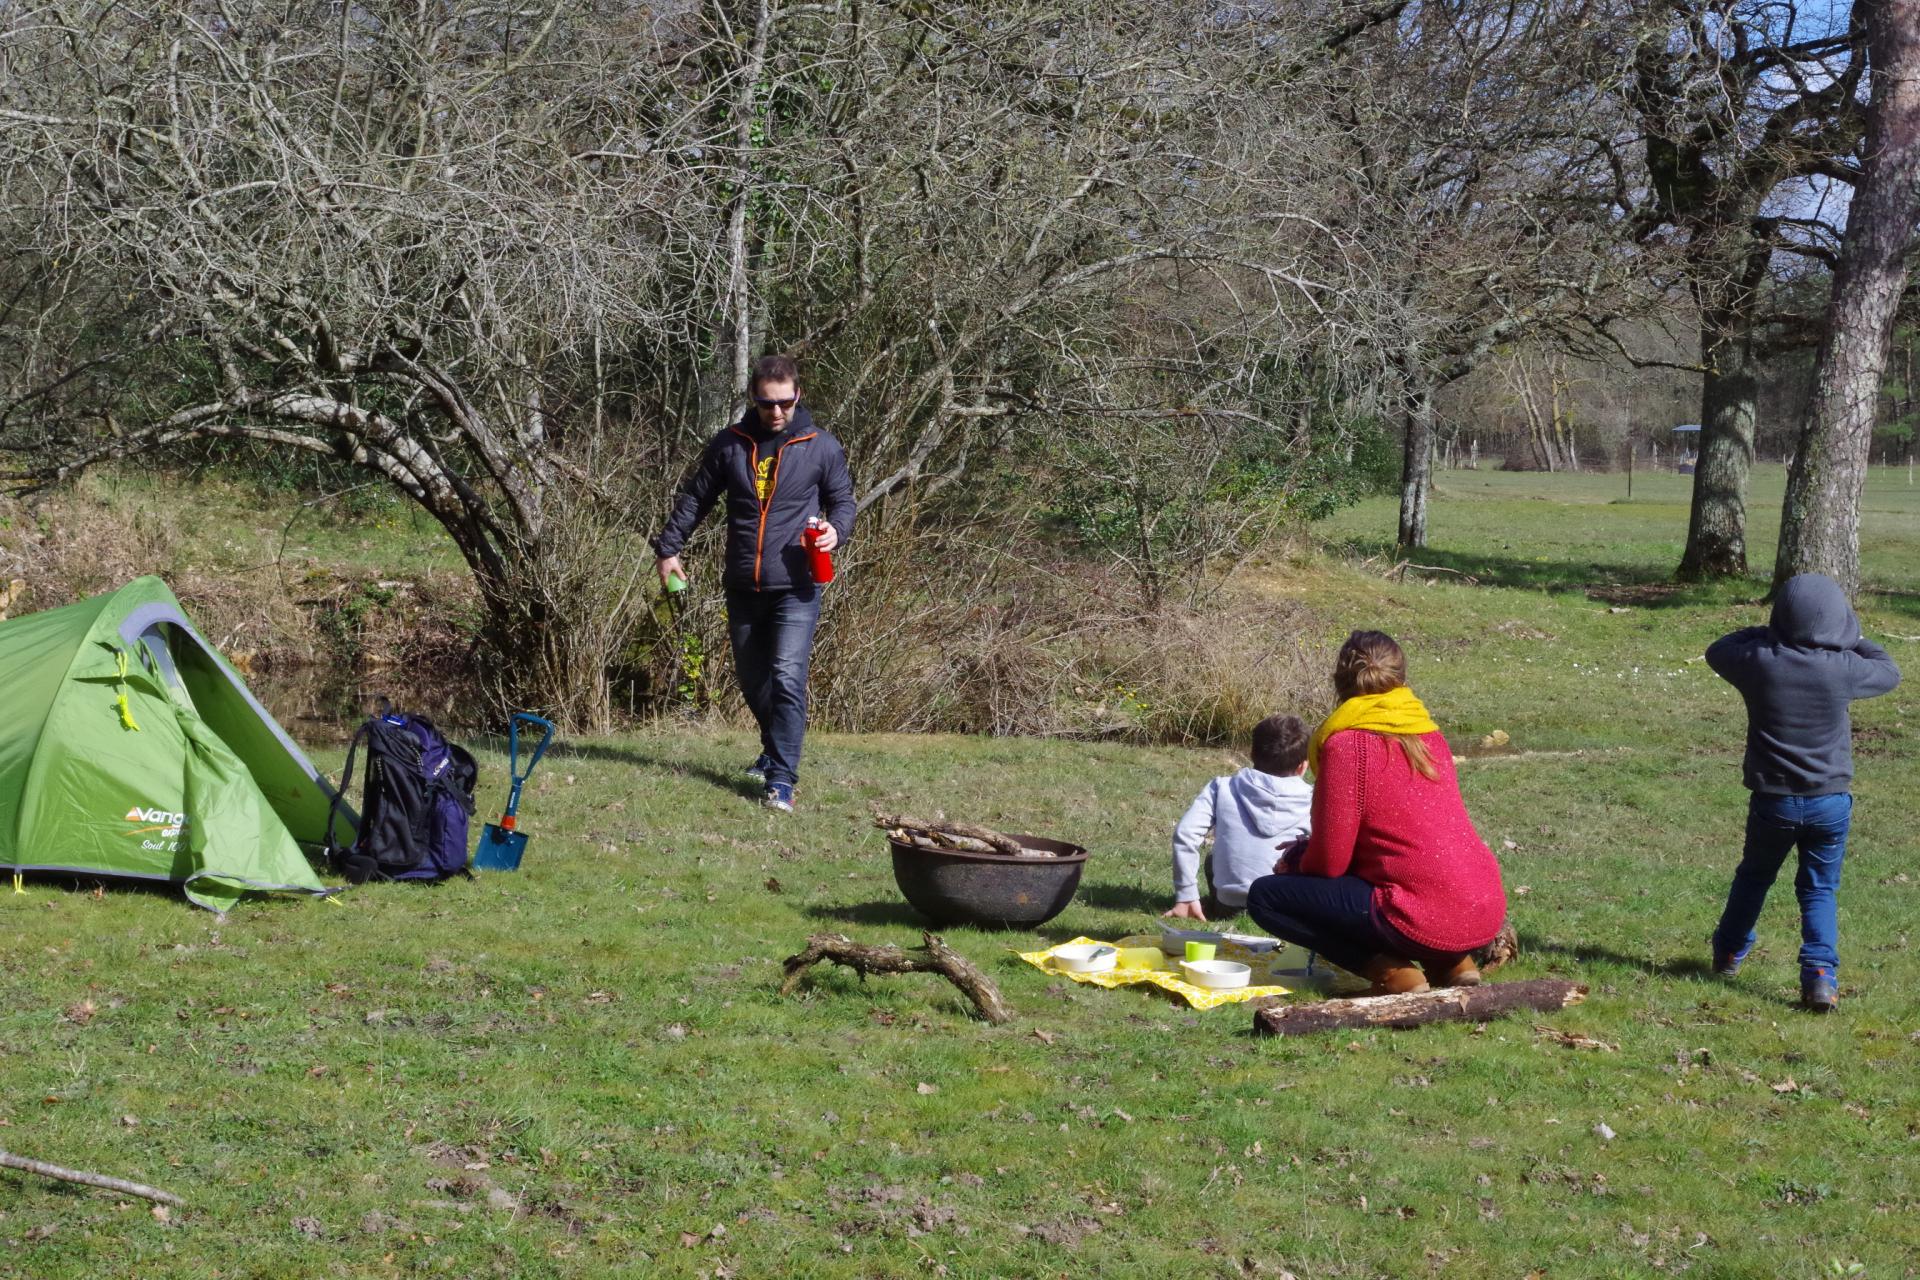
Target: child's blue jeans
1775,825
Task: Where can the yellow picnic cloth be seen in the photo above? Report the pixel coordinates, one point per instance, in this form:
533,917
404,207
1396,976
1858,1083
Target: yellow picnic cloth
1168,978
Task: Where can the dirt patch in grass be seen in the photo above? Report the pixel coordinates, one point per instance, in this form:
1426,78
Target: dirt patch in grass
1640,594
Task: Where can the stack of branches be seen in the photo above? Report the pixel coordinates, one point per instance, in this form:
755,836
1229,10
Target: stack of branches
963,837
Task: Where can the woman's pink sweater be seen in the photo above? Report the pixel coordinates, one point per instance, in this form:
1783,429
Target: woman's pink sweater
1434,879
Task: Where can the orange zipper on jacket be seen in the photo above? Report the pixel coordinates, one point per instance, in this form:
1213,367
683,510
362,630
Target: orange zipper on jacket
773,483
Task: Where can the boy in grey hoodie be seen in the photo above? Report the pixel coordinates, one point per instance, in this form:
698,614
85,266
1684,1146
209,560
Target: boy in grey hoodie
1250,813
1797,675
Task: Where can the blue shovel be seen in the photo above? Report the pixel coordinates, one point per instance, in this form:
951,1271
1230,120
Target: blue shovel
500,845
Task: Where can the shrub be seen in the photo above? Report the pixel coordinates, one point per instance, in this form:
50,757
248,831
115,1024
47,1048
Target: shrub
968,633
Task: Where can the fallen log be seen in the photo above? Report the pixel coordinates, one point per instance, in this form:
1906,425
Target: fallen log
1449,1004
60,1173
938,958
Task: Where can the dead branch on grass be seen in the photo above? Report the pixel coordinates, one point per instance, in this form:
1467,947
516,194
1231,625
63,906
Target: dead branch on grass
60,1173
1399,571
939,958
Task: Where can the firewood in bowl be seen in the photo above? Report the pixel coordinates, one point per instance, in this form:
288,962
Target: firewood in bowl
966,837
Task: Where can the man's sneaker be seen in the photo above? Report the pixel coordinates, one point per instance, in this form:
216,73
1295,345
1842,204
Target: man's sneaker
1727,963
757,771
779,796
1818,991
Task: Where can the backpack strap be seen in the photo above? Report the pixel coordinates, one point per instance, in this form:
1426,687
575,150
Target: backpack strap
337,855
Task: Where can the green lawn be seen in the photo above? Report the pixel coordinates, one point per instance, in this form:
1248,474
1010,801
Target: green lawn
222,524
583,1069
1513,528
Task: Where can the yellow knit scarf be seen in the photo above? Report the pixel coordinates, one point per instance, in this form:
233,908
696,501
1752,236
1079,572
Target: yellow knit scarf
1397,711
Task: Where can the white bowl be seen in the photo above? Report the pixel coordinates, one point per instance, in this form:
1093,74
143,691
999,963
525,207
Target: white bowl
1218,975
1086,957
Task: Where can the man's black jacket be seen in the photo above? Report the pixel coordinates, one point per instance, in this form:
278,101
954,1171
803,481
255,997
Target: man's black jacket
772,483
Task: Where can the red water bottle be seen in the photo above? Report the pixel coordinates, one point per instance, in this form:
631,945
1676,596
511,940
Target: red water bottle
819,559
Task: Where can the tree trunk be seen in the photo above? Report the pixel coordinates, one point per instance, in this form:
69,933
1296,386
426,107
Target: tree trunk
1717,528
1820,520
1563,418
1416,469
726,383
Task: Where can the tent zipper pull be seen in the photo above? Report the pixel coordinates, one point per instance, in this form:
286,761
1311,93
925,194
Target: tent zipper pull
126,711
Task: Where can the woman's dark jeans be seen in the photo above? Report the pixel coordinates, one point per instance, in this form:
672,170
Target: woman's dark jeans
1332,916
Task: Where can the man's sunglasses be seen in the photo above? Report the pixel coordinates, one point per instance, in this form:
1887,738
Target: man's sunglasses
765,403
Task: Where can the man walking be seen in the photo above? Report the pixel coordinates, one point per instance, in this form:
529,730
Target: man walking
781,476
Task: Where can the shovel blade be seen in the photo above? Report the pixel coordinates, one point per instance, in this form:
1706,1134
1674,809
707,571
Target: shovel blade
499,850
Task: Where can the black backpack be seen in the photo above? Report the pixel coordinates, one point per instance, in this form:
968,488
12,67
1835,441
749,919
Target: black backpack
416,802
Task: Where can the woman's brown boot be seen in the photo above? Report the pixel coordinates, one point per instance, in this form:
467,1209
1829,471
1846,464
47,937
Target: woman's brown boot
1392,976
1459,971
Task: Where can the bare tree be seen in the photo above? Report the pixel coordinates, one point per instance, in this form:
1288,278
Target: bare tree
1477,195
1549,416
514,262
380,236
1820,521
1746,113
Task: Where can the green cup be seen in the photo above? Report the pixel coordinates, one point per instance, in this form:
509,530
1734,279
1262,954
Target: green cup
1200,950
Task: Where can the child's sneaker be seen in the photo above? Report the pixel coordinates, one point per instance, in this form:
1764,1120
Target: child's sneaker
1727,963
779,796
757,771
1818,991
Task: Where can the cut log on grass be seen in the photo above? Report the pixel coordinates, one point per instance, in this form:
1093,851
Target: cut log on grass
934,957
1450,1004
10,1161
954,835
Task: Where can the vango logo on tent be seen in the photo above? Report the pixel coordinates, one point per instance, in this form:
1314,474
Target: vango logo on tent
163,821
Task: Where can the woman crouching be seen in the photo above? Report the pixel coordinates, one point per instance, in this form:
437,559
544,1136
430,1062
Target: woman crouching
1394,875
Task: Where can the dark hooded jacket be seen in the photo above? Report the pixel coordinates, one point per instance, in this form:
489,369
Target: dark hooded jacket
1797,675
805,472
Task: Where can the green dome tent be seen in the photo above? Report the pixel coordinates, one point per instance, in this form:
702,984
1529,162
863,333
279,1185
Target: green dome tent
131,748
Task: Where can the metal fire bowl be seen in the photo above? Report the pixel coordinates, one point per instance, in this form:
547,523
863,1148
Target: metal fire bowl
994,890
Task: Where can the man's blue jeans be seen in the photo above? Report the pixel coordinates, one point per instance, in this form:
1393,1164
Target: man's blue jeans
772,637
1775,825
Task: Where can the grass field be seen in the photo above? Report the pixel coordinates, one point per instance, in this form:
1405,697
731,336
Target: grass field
583,1069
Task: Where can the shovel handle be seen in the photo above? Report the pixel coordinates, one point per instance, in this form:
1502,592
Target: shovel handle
513,744
513,760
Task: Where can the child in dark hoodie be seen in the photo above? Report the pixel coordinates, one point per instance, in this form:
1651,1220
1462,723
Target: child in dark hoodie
1797,675
1251,813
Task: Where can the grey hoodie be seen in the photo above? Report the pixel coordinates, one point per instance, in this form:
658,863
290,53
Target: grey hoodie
1250,813
1797,675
